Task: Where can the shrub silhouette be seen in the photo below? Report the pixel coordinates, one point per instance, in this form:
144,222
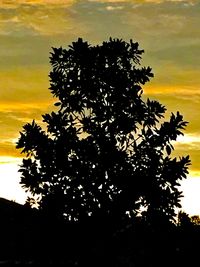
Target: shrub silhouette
105,152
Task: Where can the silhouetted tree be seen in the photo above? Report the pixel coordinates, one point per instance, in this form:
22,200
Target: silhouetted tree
184,220
105,152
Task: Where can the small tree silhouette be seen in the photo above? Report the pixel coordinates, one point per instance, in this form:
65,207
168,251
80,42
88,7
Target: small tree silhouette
184,220
105,151
195,219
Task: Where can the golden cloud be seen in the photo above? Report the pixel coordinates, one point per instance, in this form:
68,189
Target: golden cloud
37,18
11,3
8,150
190,2
24,85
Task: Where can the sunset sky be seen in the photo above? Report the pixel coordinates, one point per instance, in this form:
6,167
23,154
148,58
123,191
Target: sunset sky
168,31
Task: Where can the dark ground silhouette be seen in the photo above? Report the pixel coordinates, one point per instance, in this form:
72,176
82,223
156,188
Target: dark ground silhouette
27,237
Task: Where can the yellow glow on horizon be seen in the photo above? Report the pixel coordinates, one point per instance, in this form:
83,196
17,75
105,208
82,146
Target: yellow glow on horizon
188,139
9,180
191,188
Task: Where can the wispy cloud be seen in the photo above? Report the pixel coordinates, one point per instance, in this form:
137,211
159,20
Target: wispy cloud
189,144
13,115
189,139
144,1
35,20
11,3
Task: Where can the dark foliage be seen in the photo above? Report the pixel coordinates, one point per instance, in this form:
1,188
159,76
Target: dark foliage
105,152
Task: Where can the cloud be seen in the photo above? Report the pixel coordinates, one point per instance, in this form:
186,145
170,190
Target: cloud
171,78
12,118
24,84
9,148
189,139
35,20
56,17
111,8
144,1
187,104
14,3
189,144
149,21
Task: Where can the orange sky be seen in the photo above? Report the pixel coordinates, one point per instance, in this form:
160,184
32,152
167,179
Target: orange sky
168,31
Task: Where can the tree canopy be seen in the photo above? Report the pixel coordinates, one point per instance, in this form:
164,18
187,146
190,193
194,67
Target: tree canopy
105,151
